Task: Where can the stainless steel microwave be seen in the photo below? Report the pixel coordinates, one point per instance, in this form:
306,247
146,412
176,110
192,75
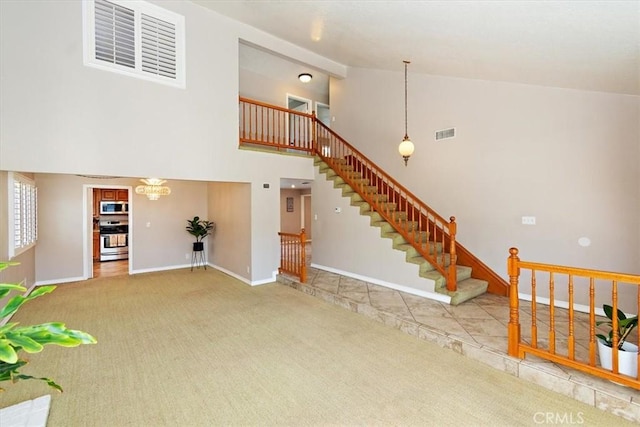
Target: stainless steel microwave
114,208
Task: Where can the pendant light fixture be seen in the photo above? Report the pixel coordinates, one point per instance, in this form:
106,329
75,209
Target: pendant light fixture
153,188
406,146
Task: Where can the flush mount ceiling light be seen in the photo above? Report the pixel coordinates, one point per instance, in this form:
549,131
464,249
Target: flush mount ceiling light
153,188
406,146
305,77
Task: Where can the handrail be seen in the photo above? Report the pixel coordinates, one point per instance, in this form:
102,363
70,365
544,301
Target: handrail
517,347
293,256
283,130
422,227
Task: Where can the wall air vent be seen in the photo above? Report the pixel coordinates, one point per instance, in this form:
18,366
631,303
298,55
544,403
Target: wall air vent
445,134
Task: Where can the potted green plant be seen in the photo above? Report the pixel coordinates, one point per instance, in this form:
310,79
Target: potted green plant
627,352
15,339
200,229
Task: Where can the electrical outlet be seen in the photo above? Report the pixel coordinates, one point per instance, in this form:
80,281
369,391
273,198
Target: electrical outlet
186,256
529,220
248,269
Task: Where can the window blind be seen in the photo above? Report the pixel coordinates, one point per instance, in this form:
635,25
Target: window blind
158,43
115,33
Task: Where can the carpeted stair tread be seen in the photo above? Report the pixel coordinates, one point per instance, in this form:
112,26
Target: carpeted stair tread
467,287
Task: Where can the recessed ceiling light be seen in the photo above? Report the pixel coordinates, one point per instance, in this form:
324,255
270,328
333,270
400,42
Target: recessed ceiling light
305,77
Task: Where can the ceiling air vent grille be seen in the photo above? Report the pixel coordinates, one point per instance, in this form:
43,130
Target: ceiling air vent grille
445,134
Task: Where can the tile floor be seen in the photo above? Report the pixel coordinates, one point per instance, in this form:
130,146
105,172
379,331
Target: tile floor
476,329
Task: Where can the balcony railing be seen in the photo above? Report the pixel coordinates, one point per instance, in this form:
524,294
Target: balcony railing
567,336
293,255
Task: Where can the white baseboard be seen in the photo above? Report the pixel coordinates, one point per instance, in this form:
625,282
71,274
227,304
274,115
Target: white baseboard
60,281
419,292
155,269
244,279
560,304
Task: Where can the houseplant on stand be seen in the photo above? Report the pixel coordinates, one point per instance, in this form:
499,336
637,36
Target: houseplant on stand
627,352
200,229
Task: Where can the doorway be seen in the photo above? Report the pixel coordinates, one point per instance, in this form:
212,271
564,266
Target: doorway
106,226
323,114
298,134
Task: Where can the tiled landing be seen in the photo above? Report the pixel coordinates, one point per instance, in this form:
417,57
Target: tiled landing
476,329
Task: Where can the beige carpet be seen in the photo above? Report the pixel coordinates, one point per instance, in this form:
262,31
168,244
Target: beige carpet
199,348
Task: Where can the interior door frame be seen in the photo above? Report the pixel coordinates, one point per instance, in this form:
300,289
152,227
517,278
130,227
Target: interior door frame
87,226
290,96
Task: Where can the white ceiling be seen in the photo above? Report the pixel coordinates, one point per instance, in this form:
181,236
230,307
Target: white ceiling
589,45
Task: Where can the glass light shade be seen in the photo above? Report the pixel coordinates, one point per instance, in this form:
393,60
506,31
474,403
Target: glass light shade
406,147
153,188
305,77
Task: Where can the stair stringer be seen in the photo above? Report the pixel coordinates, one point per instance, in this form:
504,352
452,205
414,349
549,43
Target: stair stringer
386,266
467,287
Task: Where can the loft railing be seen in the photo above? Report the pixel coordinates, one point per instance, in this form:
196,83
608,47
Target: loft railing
280,129
565,336
293,255
275,127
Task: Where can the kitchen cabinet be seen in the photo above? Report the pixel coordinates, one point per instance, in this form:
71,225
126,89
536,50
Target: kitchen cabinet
119,195
97,197
96,246
122,195
108,194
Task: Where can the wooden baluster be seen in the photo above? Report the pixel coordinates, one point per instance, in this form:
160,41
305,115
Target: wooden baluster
615,326
452,280
514,322
552,315
572,342
303,257
314,135
592,322
534,314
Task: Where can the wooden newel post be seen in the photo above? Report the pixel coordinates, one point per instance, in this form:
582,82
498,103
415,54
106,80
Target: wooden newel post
314,136
514,323
452,279
303,257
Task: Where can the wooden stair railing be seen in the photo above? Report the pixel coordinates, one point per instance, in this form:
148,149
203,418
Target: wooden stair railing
280,129
293,256
418,224
562,279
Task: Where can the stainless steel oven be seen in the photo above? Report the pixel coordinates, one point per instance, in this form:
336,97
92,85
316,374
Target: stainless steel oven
114,240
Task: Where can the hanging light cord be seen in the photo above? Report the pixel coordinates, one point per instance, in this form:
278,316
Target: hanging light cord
406,133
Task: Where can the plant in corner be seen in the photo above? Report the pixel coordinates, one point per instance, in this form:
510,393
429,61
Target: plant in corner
627,352
200,229
30,339
625,326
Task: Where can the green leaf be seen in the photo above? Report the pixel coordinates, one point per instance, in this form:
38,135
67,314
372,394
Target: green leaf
7,327
56,333
49,381
5,288
27,344
7,352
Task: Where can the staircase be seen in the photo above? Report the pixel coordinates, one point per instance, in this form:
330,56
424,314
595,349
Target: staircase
427,238
467,287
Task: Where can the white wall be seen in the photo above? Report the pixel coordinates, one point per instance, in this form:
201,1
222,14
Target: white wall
230,246
61,117
346,242
163,244
571,158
